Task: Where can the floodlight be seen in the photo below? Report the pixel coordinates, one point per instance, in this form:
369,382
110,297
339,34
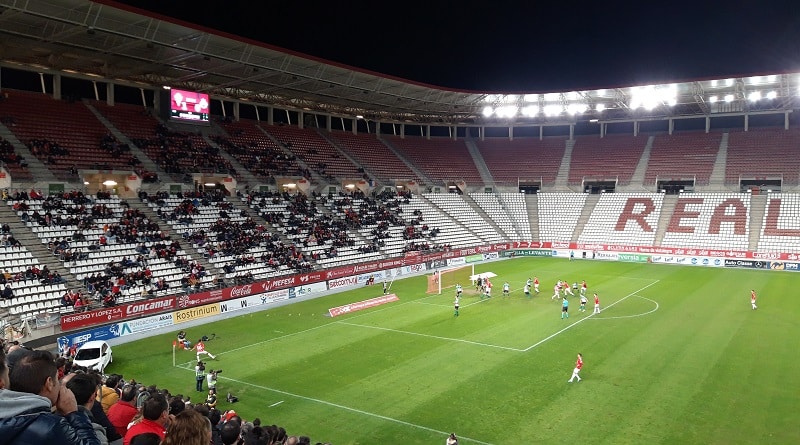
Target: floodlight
672,102
729,98
772,78
350,186
729,82
530,111
531,98
289,185
358,116
488,111
772,95
85,182
552,97
755,80
507,111
713,99
601,93
209,184
600,107
552,110
714,83
754,96
510,98
576,108
109,183
573,95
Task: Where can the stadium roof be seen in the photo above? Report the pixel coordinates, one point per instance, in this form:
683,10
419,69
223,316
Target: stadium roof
107,40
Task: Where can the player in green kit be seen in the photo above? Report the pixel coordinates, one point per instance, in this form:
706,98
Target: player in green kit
506,288
565,308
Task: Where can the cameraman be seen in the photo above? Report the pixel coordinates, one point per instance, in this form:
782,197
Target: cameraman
200,375
212,379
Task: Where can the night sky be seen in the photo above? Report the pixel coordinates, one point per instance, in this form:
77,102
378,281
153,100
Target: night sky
530,46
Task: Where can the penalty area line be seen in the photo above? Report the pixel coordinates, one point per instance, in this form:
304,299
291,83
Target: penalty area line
457,340
586,318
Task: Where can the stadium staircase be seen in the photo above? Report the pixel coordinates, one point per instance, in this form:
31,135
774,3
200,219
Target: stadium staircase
241,170
716,182
562,177
588,208
426,180
37,169
637,180
758,205
315,177
455,221
482,213
667,209
480,164
344,154
174,236
532,204
147,163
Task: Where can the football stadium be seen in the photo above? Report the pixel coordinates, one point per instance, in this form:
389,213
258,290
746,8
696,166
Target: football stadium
305,252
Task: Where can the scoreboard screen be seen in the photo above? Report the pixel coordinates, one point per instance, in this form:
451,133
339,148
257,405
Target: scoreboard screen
188,106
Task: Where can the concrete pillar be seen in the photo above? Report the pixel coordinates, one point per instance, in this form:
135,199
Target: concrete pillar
57,86
236,111
110,94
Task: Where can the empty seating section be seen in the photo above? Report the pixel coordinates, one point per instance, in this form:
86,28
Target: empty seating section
438,158
609,157
624,219
450,232
374,155
458,209
61,134
681,156
710,221
31,293
255,150
559,214
315,151
498,213
100,240
517,209
764,152
780,230
528,159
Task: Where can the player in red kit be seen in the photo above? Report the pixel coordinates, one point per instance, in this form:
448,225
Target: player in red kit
753,298
577,370
596,304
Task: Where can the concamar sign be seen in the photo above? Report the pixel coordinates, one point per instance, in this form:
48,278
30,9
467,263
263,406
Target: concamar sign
101,316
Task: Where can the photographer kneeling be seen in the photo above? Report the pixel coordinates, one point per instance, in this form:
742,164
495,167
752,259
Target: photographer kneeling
211,378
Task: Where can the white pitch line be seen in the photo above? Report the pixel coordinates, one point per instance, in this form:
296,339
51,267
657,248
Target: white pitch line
586,318
355,410
635,315
276,404
457,340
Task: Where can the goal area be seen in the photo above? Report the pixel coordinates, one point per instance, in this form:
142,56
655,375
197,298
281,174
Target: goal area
446,279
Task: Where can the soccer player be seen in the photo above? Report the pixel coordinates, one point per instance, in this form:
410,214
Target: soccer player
455,306
577,370
583,303
527,290
487,288
200,347
529,282
753,298
506,288
596,304
565,308
536,284
556,293
459,289
567,289
583,287
385,287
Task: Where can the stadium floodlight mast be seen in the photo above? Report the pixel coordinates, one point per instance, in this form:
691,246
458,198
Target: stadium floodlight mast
754,96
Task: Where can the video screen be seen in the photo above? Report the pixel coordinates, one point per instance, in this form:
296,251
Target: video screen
188,106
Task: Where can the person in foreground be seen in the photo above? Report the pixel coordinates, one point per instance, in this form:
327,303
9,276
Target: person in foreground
30,390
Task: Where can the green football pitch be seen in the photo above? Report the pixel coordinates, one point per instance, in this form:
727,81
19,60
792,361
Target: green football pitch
677,356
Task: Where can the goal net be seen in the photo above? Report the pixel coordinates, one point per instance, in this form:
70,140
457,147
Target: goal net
446,279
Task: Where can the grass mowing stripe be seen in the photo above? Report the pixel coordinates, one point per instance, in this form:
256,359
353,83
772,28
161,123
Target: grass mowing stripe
355,410
458,340
587,318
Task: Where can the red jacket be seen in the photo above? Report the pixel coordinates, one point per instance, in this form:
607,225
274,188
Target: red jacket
120,414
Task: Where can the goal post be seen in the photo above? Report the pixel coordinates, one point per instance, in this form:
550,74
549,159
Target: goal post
444,279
